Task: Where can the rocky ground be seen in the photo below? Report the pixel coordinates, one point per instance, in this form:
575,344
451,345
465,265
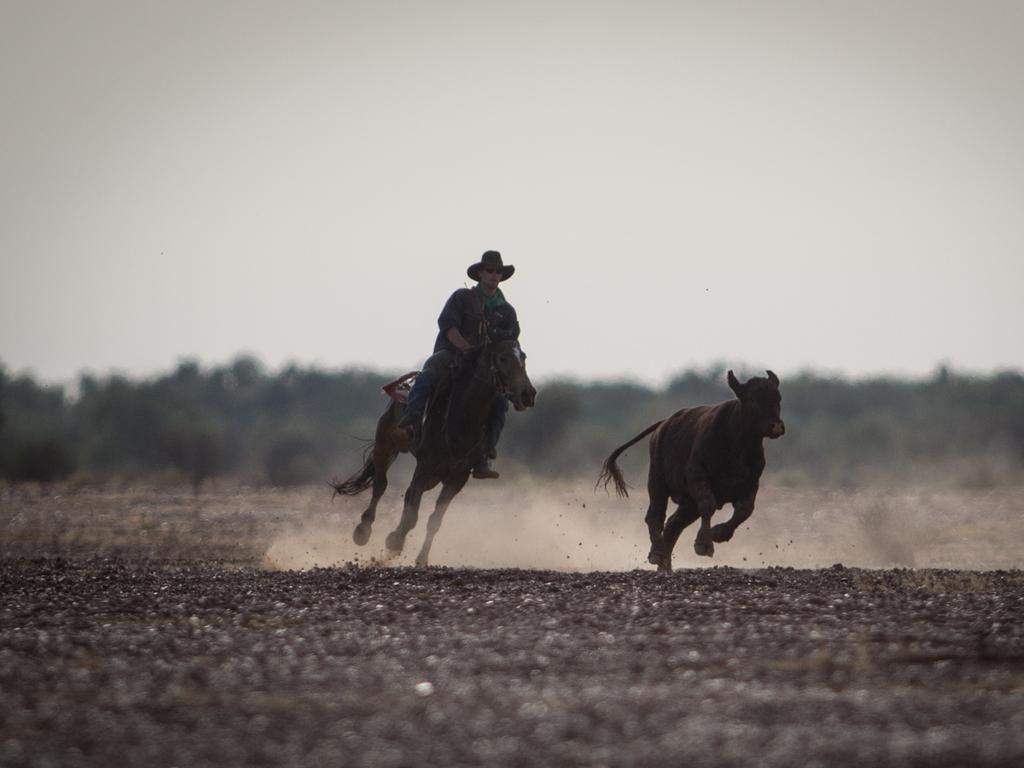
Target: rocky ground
171,654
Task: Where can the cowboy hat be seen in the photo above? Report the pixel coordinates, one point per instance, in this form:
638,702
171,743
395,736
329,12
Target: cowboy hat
490,260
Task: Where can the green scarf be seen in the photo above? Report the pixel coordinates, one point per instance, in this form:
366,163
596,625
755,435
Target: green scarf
497,300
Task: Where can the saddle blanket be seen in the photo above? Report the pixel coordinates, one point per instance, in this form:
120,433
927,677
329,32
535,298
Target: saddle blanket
398,390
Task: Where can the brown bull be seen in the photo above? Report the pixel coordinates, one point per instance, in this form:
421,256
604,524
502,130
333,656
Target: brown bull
704,458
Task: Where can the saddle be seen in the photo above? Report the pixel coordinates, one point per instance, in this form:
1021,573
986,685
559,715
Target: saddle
438,412
398,390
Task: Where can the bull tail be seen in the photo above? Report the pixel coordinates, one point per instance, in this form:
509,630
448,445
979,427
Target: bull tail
361,480
610,472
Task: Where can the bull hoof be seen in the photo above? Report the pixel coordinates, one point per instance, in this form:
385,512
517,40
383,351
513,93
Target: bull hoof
421,561
665,566
361,534
657,553
721,532
395,542
704,548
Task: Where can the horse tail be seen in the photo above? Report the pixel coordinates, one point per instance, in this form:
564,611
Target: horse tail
361,480
610,472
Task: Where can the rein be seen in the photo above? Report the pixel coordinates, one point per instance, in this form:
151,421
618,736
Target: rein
485,334
492,379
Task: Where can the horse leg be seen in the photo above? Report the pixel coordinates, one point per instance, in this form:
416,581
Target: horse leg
395,540
685,514
741,510
655,518
448,492
383,457
384,454
362,531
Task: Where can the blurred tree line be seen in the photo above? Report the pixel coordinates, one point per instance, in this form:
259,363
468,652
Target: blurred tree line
298,425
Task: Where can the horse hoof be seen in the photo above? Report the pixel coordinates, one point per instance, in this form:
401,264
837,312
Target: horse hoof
394,542
665,566
421,562
361,534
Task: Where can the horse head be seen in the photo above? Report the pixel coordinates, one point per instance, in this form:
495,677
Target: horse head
507,363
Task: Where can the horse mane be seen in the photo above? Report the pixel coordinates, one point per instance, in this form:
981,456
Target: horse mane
471,357
458,386
447,410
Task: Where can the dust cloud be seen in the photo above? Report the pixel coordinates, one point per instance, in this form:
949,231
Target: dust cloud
568,526
516,522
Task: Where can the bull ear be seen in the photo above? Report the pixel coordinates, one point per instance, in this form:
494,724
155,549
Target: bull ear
734,384
773,379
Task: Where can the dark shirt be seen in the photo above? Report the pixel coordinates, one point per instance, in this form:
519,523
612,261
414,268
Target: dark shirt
466,309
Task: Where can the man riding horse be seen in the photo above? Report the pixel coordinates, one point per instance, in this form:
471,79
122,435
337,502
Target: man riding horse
470,317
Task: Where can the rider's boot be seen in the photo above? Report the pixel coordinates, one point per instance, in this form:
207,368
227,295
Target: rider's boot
407,431
482,470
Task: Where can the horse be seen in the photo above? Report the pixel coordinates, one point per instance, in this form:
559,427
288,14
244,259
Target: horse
451,443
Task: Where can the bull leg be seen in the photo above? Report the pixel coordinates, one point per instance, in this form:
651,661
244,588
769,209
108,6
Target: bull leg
682,517
448,492
382,459
703,545
741,510
395,540
655,519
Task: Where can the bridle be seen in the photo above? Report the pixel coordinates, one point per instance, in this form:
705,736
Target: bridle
494,378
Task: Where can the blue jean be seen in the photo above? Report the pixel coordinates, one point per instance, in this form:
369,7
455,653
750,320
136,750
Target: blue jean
434,368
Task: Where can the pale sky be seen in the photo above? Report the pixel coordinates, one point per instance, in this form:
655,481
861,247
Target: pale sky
828,185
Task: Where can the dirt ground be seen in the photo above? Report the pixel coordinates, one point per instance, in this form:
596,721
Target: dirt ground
240,627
